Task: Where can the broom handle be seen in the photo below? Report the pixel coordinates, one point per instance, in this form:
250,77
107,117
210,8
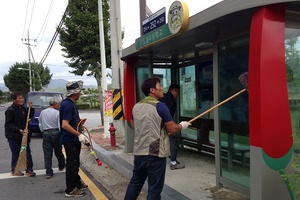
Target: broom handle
27,121
216,106
25,136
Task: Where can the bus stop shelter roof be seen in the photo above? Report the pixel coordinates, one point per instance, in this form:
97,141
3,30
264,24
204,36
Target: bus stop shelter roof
225,19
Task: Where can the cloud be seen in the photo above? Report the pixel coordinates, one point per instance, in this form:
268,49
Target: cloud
130,20
42,22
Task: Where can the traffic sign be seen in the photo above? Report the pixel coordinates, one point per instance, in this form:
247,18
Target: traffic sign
154,21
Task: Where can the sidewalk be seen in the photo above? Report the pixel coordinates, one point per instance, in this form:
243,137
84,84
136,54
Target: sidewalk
196,181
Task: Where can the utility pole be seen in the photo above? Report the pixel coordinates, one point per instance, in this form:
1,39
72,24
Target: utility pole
37,71
117,68
31,88
103,65
143,14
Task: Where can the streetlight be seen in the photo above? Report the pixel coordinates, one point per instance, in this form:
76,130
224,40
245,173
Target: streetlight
30,78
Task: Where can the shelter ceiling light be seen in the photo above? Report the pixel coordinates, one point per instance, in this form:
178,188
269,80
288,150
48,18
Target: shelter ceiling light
203,45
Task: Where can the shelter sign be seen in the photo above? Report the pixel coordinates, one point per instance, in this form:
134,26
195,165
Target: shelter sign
154,21
178,18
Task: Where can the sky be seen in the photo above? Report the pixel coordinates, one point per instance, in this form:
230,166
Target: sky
40,18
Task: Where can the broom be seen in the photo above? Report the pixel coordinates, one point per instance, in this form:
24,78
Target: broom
243,79
22,160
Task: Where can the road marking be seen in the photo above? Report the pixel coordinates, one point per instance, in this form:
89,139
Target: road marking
92,187
38,172
96,192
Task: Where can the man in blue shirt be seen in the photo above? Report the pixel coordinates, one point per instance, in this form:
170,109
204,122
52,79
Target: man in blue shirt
71,138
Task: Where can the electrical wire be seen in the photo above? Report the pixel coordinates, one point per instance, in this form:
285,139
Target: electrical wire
54,37
31,15
25,19
43,28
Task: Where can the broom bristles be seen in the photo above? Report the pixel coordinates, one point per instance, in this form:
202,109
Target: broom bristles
21,163
22,160
244,79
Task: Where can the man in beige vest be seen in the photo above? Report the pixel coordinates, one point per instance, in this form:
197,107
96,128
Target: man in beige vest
152,122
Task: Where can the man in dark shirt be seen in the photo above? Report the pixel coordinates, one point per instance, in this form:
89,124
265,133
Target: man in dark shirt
15,127
170,100
71,138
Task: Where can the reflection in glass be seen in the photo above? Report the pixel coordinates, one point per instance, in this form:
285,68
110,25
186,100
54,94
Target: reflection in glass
142,73
292,58
165,76
233,115
188,107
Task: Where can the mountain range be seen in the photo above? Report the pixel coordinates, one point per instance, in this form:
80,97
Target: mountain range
55,84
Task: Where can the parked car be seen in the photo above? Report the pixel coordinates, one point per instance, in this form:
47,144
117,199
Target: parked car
40,101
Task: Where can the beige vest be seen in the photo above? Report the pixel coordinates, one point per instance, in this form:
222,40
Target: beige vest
150,136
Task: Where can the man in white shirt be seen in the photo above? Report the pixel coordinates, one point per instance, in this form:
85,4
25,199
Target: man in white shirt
49,125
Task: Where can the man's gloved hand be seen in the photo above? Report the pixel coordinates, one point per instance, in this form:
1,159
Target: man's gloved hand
83,139
185,124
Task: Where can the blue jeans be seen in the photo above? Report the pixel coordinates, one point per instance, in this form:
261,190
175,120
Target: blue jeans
173,148
15,146
72,166
51,142
147,166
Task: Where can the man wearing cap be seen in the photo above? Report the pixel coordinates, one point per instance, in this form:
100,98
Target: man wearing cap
72,139
49,126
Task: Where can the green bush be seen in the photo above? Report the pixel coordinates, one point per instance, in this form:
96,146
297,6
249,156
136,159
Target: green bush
83,106
293,179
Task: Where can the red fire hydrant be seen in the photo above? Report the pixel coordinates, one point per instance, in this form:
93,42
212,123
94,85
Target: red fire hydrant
112,131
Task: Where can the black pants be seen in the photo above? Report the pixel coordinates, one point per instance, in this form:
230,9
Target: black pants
51,142
15,146
72,166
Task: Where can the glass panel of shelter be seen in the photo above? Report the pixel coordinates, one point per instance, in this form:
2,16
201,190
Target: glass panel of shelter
233,116
292,58
142,72
196,96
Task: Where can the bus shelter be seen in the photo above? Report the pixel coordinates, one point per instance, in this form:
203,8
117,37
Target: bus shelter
253,135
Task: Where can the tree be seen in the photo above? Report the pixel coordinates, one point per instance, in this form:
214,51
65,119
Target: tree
90,95
79,37
292,56
17,78
1,96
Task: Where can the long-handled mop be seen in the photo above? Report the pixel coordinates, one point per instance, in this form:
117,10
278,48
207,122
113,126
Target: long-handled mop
243,79
86,133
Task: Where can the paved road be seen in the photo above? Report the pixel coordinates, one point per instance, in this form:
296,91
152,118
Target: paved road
38,187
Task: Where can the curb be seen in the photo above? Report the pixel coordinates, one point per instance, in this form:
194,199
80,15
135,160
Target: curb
125,169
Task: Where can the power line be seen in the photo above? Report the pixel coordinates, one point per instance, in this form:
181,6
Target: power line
43,28
54,37
25,19
31,14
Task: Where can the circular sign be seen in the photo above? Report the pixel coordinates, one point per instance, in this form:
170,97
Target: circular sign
178,17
